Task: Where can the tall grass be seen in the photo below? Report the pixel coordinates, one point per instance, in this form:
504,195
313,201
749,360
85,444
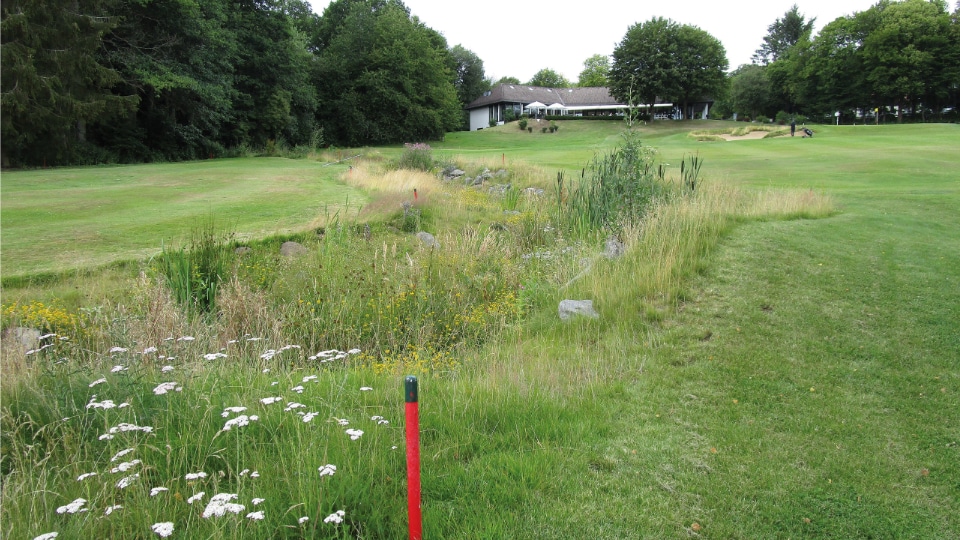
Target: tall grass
196,271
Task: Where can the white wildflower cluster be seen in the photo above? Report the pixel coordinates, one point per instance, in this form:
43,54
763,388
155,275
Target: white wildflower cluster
125,466
110,509
220,504
253,474
303,520
293,405
105,404
214,356
117,350
84,476
309,416
186,338
298,389
166,369
256,501
195,476
336,517
271,400
122,428
272,352
163,529
120,454
256,516
149,350
118,369
196,497
333,355
101,380
365,389
158,490
379,420
163,388
126,481
236,410
343,421
354,434
328,470
239,422
74,507
47,536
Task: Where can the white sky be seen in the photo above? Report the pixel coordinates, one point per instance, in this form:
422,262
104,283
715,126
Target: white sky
520,37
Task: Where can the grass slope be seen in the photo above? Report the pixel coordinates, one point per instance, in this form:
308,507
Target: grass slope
63,219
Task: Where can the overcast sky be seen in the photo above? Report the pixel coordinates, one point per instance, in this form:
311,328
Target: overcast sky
520,37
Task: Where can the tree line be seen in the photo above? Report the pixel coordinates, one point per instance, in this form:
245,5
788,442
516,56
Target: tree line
102,81
895,58
92,81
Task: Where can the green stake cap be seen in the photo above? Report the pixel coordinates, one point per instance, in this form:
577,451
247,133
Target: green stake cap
410,389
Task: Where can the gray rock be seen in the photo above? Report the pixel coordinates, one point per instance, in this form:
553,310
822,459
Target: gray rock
292,249
428,239
613,248
25,339
242,250
502,173
486,174
456,173
533,192
577,308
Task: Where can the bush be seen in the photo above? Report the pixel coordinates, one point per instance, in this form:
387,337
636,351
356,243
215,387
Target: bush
530,129
761,119
553,127
417,156
509,116
522,123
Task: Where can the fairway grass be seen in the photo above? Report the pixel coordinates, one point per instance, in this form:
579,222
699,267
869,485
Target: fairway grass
57,220
794,372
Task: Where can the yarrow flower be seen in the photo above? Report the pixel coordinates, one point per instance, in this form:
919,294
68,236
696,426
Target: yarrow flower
365,389
105,404
220,504
195,476
298,389
291,405
120,454
379,420
109,510
118,369
47,536
328,470
255,474
336,517
163,529
163,388
354,434
214,356
127,480
309,416
166,369
186,338
84,476
126,466
240,421
101,380
150,350
256,516
270,400
117,350
226,412
158,490
196,497
303,520
256,501
73,508
343,421
309,378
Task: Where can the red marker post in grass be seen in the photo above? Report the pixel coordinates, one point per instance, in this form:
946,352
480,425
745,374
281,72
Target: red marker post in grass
413,457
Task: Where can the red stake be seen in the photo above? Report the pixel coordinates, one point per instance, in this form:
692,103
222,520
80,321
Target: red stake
414,193
413,458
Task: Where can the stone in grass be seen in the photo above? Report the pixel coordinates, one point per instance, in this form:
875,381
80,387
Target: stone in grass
24,338
243,250
292,249
428,240
577,308
613,248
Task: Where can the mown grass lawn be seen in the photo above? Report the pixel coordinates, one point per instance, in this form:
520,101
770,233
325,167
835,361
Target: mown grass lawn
803,383
64,219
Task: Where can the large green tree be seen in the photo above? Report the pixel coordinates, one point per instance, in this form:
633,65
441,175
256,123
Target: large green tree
469,80
595,71
645,63
701,66
783,34
53,84
750,91
549,78
383,76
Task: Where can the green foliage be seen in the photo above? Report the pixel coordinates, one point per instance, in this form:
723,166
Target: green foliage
615,190
416,156
522,124
195,273
595,71
782,35
469,80
549,78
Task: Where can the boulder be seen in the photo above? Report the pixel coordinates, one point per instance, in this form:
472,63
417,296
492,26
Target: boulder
613,248
428,239
292,249
577,308
24,339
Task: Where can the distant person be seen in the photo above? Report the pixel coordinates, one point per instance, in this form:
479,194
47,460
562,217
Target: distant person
793,127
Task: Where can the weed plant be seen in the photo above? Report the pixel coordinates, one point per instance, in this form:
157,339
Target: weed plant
195,273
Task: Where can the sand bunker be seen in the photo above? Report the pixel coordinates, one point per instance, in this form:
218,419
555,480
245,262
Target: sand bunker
748,136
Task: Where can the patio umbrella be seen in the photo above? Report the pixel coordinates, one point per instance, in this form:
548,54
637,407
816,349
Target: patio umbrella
536,105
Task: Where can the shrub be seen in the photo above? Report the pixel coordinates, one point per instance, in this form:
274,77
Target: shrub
553,127
761,119
417,156
509,116
522,123
543,129
530,129
492,123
